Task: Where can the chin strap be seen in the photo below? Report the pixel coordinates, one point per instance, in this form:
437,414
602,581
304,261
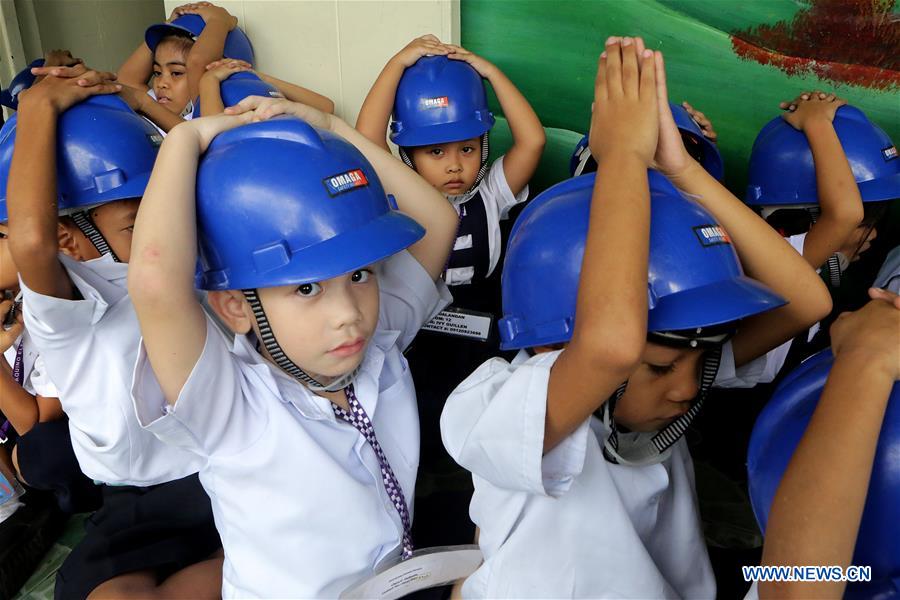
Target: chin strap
482,171
280,358
86,225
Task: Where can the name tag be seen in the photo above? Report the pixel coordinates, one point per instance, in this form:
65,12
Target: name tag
461,323
426,568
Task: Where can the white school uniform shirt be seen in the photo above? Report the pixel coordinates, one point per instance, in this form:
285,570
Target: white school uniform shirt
297,493
89,348
569,523
36,381
498,201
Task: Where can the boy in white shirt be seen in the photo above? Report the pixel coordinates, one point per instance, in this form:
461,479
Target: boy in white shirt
88,155
33,428
307,423
572,505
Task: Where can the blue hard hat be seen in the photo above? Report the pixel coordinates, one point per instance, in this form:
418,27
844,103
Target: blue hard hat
22,81
704,151
695,279
7,141
438,101
238,86
237,44
280,202
698,145
105,152
782,171
777,433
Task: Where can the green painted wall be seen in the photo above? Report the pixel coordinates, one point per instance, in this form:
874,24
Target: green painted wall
549,49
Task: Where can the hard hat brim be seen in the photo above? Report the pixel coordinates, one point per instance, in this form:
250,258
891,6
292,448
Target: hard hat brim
444,133
344,253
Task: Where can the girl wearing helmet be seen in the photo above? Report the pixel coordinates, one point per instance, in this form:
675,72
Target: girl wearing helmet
173,58
307,422
434,98
624,299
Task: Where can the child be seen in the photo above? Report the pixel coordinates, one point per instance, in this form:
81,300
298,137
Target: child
33,427
96,157
441,122
577,506
213,86
842,171
840,162
842,462
697,134
323,299
176,54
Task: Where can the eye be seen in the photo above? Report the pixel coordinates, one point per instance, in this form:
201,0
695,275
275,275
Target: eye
661,370
157,73
436,152
129,229
3,236
468,150
177,73
308,290
361,276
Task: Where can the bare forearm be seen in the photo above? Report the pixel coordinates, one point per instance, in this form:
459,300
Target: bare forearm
415,197
211,96
818,507
766,257
158,114
613,289
611,324
16,404
296,93
32,201
164,242
527,132
839,199
375,114
208,48
136,70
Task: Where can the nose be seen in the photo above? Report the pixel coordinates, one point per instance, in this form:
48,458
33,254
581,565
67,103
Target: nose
683,387
454,165
345,309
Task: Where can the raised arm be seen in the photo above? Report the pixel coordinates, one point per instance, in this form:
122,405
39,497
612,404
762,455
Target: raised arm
521,160
211,83
841,209
611,309
819,504
415,197
210,43
31,189
164,255
296,93
765,255
136,70
375,114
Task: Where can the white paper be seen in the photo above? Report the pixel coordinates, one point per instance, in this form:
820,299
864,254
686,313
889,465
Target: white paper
461,323
426,568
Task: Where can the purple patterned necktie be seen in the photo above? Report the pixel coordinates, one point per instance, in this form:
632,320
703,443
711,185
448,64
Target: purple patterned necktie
360,420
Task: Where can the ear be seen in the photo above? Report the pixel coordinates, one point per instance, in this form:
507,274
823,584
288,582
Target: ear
68,242
232,308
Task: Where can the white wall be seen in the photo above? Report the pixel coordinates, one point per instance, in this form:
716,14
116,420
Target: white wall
337,47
